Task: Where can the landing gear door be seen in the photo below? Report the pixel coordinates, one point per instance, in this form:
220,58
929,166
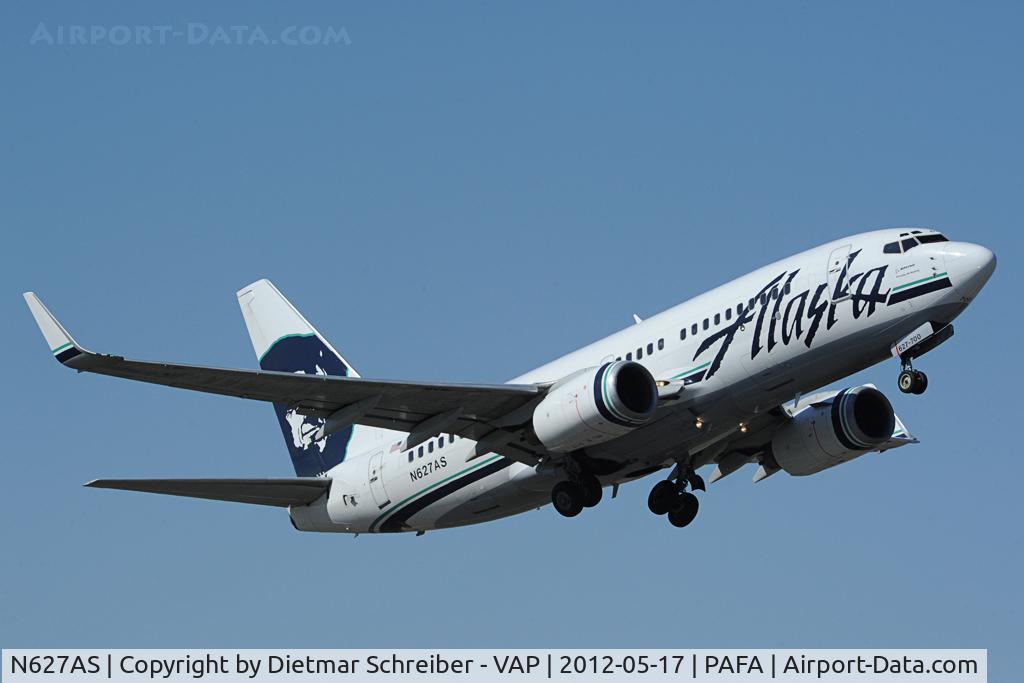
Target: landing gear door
838,274
376,477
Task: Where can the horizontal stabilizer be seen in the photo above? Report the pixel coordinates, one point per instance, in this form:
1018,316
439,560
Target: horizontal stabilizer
277,492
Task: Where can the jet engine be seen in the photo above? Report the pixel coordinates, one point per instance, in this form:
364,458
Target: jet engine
822,435
595,405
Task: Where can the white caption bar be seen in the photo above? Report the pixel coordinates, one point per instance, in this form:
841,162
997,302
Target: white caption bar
511,666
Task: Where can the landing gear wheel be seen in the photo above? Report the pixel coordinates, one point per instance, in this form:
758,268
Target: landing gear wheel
907,381
685,510
662,497
592,491
567,498
920,382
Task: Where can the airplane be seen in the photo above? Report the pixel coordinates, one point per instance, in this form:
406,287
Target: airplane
726,379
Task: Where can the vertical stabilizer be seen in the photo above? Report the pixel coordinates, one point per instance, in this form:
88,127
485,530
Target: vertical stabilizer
284,341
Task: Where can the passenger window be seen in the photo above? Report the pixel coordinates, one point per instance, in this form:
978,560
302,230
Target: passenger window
430,447
764,299
411,454
419,453
682,333
661,344
739,309
728,314
706,323
693,328
629,356
650,349
639,353
751,304
789,288
718,318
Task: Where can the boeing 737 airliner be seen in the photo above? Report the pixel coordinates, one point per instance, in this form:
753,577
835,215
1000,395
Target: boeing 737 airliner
722,380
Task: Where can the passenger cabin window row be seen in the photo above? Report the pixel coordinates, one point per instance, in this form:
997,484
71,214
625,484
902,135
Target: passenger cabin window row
706,324
716,319
909,240
649,349
428,447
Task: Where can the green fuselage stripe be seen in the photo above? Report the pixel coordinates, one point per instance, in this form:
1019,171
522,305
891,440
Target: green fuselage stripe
433,486
692,370
917,282
286,336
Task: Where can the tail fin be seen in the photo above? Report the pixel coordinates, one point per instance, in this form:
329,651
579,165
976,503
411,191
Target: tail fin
284,341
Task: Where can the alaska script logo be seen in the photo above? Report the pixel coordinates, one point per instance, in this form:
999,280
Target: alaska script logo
786,317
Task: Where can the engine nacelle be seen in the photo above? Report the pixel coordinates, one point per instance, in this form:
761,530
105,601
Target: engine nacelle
857,420
595,405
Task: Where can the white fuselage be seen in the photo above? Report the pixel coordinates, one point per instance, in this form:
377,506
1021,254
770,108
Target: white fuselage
817,317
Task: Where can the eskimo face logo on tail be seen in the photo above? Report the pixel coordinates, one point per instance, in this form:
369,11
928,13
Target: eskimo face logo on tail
307,355
781,316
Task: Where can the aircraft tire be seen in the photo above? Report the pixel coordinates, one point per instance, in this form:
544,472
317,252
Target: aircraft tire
685,510
592,491
567,498
662,497
906,381
920,382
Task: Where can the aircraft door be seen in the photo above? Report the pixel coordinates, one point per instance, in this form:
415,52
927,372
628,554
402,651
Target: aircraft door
838,274
376,477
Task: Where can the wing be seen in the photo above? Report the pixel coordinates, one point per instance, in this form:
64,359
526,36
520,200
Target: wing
491,413
276,492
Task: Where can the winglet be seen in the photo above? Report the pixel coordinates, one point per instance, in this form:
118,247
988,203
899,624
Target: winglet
63,346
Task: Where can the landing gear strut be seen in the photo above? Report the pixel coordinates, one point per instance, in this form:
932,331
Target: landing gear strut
671,497
912,381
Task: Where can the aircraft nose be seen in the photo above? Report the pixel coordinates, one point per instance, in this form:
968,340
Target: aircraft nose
970,265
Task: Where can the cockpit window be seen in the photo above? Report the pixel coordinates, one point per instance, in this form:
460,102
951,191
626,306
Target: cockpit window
908,242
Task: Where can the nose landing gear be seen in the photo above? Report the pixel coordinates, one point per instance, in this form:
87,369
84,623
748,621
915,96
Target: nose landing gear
914,345
912,381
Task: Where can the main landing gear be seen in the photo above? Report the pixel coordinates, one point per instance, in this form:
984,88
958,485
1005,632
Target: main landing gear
912,381
671,498
570,497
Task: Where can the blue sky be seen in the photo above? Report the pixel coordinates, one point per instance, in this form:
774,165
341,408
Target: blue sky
463,192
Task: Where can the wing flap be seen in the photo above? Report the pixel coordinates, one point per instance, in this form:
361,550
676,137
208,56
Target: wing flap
275,492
